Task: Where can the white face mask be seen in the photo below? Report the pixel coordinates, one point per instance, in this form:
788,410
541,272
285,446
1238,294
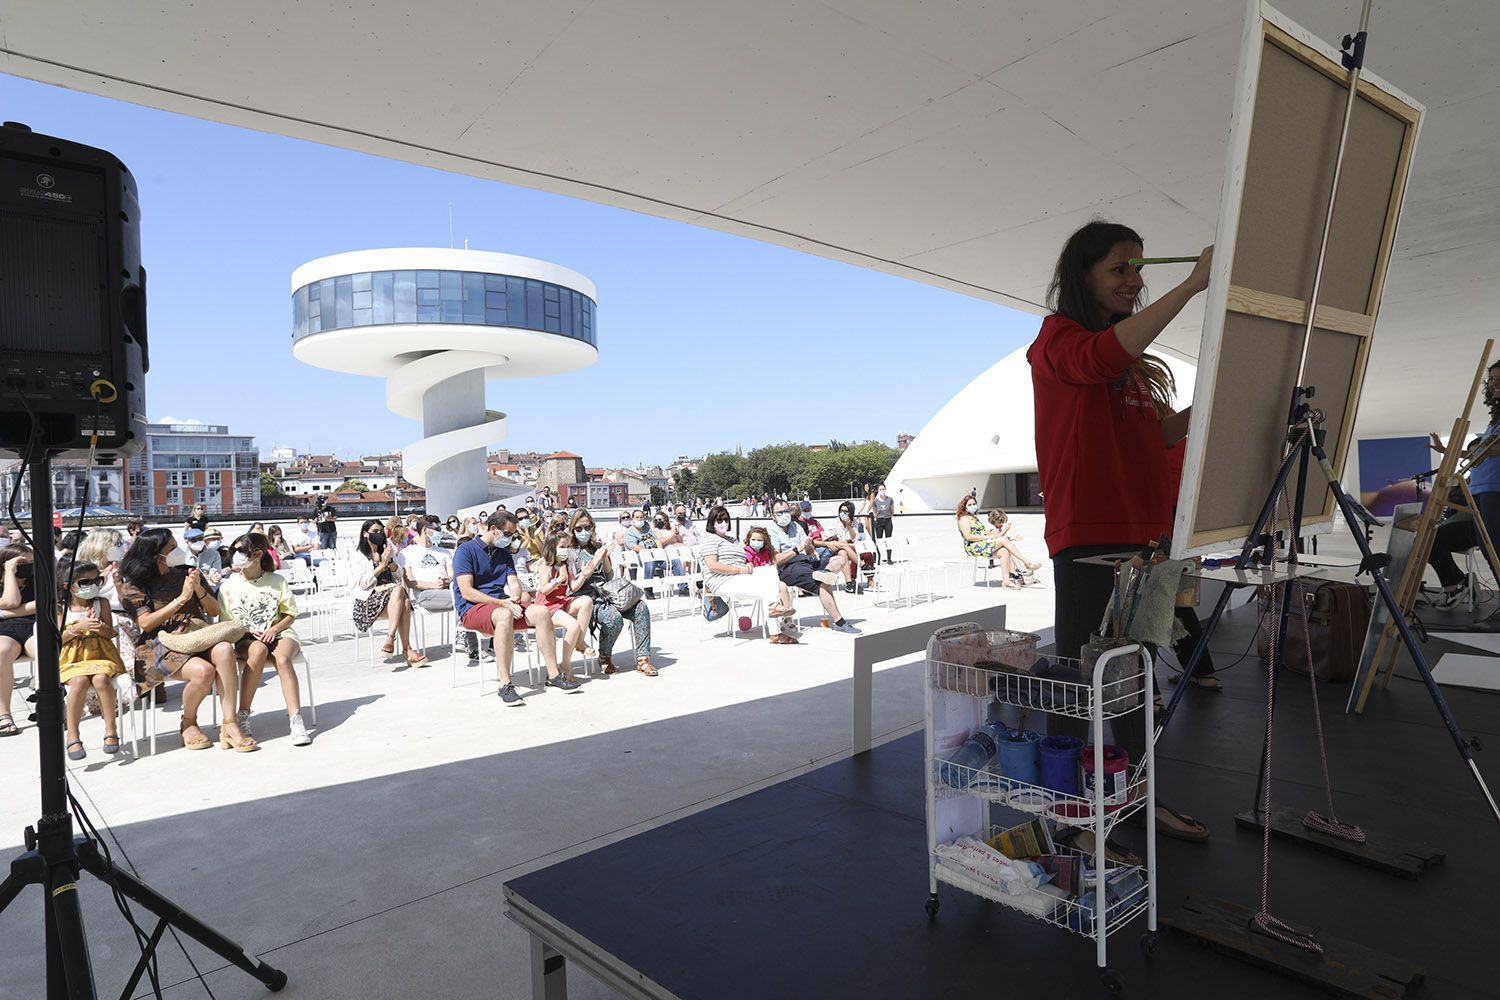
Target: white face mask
783,519
176,557
86,592
240,561
117,553
195,546
844,516
211,545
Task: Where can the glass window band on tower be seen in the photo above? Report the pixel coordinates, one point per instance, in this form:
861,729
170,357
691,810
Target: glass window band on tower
450,297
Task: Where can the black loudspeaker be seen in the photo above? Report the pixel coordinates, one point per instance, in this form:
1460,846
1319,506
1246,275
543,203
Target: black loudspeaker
73,353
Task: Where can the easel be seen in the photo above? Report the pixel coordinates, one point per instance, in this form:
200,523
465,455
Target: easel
1439,502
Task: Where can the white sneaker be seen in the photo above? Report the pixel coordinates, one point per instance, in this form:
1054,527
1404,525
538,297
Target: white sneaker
827,576
242,718
299,731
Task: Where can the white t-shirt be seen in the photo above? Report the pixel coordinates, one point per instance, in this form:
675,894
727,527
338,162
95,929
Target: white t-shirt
427,565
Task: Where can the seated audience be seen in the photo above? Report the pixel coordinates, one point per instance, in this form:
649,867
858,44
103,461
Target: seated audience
1022,571
590,565
165,595
258,598
800,567
378,592
727,572
531,531
829,544
281,551
664,531
88,660
489,602
638,539
105,547
845,535
17,623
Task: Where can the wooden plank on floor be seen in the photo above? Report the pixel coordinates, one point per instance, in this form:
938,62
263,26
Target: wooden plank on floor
1404,860
1345,968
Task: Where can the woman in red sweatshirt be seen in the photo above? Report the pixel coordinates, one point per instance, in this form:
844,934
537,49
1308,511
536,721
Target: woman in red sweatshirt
1104,422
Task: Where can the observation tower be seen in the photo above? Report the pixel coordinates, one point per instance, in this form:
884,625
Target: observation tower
436,324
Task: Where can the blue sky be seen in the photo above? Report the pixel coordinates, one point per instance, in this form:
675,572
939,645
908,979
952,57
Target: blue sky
706,341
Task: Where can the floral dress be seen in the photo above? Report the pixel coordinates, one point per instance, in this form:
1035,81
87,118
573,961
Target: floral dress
987,548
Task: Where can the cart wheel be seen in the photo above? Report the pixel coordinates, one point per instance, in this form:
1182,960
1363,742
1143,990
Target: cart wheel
1111,980
932,906
1148,943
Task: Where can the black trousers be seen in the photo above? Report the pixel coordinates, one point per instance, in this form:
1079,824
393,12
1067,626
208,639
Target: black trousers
1081,592
1460,536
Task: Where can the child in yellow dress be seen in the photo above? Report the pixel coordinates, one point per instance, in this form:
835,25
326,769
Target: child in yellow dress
88,657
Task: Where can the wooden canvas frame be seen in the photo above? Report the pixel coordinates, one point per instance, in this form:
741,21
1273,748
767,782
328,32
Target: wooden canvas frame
1275,194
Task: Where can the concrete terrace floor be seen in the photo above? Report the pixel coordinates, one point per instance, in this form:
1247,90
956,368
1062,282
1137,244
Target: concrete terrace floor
370,863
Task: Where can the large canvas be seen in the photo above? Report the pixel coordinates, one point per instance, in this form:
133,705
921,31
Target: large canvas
1290,91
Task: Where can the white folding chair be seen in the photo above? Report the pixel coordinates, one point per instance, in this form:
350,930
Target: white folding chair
669,580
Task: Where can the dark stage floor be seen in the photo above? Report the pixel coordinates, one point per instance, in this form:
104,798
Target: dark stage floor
815,887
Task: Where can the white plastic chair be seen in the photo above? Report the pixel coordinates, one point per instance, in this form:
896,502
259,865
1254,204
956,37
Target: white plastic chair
149,711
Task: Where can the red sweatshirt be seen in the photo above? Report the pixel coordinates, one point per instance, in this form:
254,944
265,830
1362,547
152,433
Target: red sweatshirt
1099,450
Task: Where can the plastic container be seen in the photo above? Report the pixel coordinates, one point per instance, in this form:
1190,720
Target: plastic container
1059,761
1116,767
976,753
1020,756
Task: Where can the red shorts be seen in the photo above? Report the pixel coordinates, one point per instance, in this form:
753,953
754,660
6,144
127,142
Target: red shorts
481,618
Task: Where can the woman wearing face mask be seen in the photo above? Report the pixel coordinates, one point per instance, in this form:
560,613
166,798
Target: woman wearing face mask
668,540
378,591
88,659
846,534
590,566
453,525
280,549
532,533
884,510
105,547
1104,424
985,543
165,595
258,598
17,623
570,612
728,572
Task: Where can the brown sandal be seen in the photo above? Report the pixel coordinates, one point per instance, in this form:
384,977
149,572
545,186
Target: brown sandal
607,666
199,742
643,666
417,660
239,744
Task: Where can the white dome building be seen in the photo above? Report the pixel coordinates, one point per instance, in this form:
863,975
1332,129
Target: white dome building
437,324
985,437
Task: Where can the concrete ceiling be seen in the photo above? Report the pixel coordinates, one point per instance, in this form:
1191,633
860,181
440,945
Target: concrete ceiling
956,143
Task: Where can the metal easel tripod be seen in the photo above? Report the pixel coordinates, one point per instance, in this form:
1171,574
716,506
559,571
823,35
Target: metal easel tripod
54,858
1306,444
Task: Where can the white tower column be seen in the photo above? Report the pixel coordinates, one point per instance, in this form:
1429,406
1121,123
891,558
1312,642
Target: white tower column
454,404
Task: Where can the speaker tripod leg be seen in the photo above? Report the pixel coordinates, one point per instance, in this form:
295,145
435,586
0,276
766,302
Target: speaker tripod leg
168,911
66,944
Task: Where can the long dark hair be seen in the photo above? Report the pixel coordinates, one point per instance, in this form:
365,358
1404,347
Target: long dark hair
1068,294
139,565
254,541
69,567
1490,399
364,542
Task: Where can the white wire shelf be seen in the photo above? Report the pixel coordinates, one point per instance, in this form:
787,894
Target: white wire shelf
953,780
1055,693
1049,905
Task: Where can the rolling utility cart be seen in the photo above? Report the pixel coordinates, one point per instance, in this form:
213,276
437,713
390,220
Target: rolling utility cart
972,674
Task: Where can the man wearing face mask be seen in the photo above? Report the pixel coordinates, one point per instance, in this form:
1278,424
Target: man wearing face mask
799,566
489,602
200,555
427,571
885,511
532,532
638,538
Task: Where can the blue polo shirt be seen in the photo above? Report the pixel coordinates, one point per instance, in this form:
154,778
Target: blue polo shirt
1486,475
490,568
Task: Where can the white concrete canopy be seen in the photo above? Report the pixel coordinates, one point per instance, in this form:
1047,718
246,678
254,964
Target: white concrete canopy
956,144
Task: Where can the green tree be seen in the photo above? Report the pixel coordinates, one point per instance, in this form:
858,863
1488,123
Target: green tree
777,467
269,487
658,496
719,472
687,484
353,486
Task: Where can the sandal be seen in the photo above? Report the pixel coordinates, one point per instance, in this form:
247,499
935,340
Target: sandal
239,744
417,660
111,748
199,742
389,649
782,639
8,726
1180,826
607,666
643,666
1033,566
78,754
1207,682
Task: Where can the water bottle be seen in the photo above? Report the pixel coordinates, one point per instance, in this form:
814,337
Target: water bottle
976,752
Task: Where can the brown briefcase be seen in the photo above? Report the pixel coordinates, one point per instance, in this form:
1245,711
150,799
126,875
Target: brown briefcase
1338,614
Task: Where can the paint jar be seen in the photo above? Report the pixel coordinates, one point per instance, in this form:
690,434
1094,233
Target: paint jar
1059,758
1116,767
1020,759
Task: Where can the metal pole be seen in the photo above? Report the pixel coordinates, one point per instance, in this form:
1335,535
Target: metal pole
1333,188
